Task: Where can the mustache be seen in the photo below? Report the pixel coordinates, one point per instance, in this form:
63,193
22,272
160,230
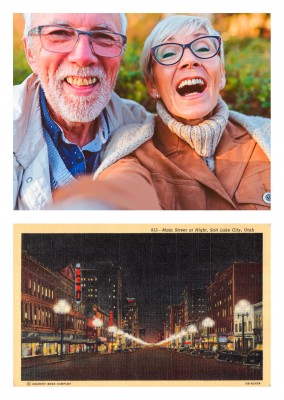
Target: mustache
84,72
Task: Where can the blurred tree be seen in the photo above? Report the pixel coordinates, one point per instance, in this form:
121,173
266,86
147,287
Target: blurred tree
247,55
248,76
20,65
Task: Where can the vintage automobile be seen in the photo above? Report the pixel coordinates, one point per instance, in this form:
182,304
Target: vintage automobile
208,354
223,356
235,357
254,357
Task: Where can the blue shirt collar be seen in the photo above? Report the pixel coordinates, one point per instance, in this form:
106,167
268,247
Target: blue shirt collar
51,126
77,160
54,130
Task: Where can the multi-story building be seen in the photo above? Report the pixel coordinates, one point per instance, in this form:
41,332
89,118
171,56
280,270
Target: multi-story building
130,317
167,323
242,280
40,325
250,328
102,286
142,333
100,333
176,318
191,309
194,302
258,325
90,289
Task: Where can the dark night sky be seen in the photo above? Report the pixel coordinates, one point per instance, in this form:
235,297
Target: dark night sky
156,267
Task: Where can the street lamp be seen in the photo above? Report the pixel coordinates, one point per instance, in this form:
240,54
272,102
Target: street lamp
192,329
243,309
62,307
208,323
97,323
112,330
119,333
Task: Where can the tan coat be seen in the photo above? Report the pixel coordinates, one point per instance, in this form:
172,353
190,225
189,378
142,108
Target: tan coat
183,181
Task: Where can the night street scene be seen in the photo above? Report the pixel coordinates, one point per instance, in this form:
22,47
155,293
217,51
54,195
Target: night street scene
142,307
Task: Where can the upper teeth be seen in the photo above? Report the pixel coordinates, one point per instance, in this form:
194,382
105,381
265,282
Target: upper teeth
81,81
191,82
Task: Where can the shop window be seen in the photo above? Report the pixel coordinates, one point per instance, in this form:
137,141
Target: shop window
250,326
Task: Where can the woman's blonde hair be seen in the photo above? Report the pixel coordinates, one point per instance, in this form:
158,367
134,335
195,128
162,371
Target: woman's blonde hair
168,27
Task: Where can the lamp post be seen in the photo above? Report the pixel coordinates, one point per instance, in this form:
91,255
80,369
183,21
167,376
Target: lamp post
97,323
242,309
192,329
112,330
62,307
208,323
119,333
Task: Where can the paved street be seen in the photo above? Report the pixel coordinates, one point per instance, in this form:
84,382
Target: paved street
145,364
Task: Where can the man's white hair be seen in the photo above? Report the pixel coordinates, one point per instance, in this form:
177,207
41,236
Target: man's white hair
29,18
168,27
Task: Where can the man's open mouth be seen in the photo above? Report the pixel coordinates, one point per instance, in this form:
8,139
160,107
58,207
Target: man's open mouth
78,81
191,86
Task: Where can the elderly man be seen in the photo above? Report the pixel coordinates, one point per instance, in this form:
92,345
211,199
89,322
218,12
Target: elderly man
66,110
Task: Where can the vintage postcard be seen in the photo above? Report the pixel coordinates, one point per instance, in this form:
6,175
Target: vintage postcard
142,305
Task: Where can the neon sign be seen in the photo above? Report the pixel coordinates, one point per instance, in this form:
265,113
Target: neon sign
78,284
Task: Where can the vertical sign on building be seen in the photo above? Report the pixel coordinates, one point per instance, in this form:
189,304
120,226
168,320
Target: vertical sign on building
111,318
78,284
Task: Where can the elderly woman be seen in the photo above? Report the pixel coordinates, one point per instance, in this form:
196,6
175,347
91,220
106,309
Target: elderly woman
195,154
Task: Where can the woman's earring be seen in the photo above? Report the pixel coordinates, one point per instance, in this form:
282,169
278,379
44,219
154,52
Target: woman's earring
157,96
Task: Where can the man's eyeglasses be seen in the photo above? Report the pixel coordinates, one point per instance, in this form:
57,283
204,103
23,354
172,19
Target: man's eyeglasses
171,53
62,39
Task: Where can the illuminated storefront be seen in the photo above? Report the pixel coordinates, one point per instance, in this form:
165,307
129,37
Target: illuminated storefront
43,345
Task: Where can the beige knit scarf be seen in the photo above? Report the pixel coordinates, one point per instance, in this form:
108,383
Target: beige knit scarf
203,138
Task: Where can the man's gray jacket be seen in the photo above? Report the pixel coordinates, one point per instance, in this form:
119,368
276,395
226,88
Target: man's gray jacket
32,190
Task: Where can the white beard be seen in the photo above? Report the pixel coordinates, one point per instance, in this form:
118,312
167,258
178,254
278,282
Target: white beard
80,108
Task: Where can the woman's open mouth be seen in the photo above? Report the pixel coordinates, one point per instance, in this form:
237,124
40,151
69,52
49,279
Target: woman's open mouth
188,87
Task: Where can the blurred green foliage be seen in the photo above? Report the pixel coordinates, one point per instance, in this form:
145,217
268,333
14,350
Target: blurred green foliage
21,67
247,63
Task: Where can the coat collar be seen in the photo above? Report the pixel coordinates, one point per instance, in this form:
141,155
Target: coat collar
235,145
238,146
27,127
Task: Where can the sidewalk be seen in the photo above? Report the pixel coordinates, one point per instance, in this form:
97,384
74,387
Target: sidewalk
40,360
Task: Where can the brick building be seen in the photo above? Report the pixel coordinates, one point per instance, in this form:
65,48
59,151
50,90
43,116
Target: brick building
242,280
40,325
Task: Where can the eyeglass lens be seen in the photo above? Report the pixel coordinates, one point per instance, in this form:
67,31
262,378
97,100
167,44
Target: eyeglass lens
171,53
63,40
